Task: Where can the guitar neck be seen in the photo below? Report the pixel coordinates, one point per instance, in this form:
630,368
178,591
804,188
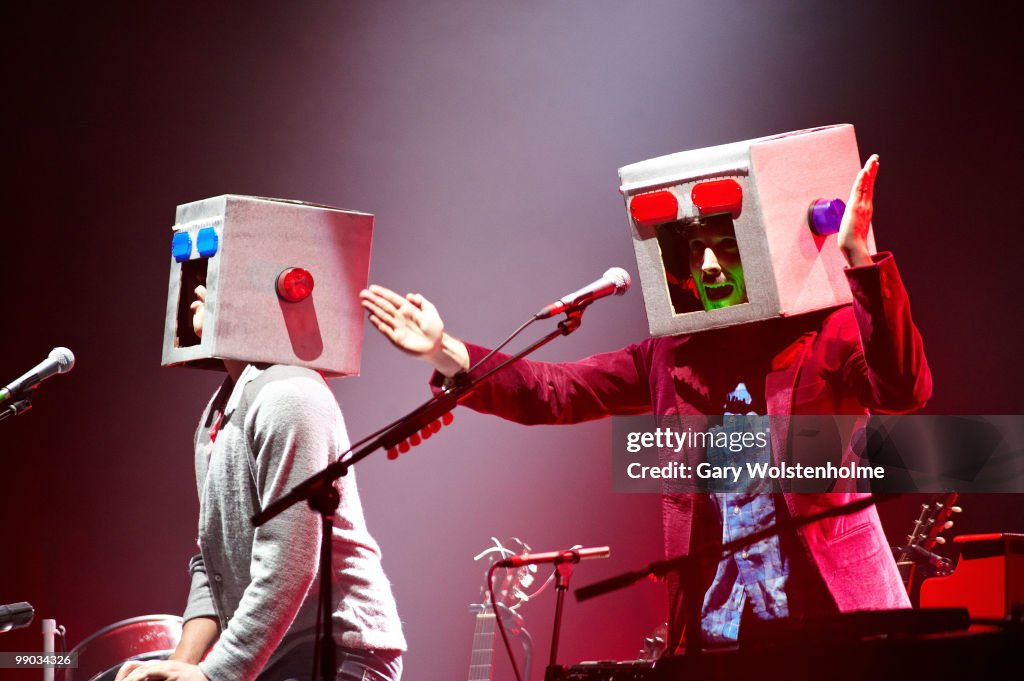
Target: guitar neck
481,660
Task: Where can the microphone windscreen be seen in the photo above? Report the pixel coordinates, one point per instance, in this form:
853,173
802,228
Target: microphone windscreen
64,358
620,278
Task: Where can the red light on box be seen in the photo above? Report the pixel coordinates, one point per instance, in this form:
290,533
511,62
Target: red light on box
294,284
654,208
717,196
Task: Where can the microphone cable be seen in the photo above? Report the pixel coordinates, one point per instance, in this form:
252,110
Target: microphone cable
499,620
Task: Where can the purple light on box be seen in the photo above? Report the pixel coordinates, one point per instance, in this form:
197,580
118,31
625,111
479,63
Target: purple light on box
825,215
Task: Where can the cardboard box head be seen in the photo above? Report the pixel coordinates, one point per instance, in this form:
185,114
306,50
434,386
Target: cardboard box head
282,280
766,208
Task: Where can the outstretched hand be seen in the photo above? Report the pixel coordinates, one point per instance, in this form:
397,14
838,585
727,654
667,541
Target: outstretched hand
412,323
853,231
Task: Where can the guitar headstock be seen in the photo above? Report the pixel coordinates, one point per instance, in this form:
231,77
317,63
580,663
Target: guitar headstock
655,644
927,533
935,518
510,585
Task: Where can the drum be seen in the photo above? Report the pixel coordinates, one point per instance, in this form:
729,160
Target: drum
150,637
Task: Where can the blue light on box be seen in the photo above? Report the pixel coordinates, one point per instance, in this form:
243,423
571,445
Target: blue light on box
207,242
181,246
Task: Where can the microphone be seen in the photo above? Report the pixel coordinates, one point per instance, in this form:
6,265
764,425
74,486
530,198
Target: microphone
570,556
60,361
614,281
933,559
15,616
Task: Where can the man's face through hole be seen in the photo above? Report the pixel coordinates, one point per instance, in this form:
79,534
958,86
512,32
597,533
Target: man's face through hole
191,302
715,263
198,308
714,273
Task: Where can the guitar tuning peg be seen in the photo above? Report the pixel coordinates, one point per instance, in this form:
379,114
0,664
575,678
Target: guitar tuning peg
403,446
447,418
955,509
425,432
940,540
435,426
948,524
415,439
392,454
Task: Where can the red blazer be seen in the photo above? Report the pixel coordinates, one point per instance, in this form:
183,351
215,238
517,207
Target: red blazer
856,358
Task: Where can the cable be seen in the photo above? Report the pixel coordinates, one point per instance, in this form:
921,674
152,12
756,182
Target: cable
501,624
527,642
508,340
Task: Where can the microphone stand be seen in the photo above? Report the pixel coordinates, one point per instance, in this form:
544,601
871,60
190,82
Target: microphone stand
319,492
689,566
563,571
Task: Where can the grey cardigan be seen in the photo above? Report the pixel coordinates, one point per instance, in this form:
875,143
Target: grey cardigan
280,425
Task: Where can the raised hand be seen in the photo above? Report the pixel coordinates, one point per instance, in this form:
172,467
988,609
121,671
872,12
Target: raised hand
412,323
853,231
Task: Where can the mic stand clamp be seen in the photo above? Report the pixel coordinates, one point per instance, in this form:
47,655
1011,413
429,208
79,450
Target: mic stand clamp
572,321
20,406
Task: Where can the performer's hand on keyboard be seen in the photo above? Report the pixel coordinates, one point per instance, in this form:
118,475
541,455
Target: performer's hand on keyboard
160,669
